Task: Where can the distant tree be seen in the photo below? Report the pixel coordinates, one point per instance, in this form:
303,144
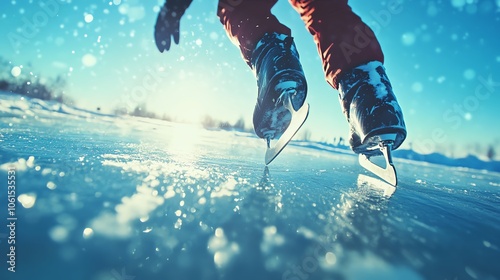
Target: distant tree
338,141
491,153
208,122
4,85
138,111
120,111
57,87
166,118
31,85
225,125
239,124
141,111
5,69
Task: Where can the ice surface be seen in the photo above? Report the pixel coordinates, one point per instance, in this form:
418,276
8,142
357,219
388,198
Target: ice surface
101,196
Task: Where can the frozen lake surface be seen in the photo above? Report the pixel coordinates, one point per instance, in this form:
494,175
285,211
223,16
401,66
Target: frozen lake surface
101,197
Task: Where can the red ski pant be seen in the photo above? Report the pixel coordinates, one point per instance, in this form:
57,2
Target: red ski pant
343,40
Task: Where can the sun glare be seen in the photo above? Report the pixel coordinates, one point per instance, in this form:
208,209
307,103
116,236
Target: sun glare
184,142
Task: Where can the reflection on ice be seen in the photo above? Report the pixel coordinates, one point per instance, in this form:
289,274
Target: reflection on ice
183,143
364,180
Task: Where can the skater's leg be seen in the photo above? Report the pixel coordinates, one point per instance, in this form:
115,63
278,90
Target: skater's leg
352,62
344,41
268,48
246,22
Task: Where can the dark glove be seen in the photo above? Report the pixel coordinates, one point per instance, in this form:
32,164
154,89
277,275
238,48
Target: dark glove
167,23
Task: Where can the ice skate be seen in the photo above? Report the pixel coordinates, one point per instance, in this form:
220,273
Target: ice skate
375,118
280,110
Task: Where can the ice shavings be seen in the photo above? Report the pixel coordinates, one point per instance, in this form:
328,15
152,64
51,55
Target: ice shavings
107,224
307,233
225,189
27,200
271,242
135,207
51,185
221,248
169,193
138,205
271,238
19,165
88,233
152,192
132,208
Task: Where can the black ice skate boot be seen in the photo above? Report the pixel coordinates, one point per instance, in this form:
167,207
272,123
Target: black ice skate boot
375,118
280,79
371,108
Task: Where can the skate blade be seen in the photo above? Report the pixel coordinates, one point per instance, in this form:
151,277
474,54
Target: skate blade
387,173
298,119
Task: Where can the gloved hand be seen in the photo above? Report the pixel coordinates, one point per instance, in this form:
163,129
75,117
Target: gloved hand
167,23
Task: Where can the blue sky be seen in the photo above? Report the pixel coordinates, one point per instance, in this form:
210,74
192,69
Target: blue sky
443,58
